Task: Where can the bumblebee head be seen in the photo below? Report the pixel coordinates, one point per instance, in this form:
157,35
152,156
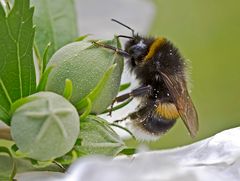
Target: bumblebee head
137,46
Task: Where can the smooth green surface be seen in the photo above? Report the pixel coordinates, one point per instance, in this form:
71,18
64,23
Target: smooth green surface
98,89
208,34
55,22
17,73
45,127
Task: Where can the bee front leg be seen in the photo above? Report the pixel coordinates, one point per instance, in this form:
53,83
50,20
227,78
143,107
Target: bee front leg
117,50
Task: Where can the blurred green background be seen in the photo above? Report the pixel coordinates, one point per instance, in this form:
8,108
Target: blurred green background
208,34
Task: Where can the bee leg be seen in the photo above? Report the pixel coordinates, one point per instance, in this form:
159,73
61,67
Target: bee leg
121,120
134,93
132,115
117,50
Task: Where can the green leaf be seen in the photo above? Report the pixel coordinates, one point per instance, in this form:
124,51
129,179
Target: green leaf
44,78
87,110
44,60
55,23
21,102
124,86
81,38
68,158
97,137
128,151
17,72
22,164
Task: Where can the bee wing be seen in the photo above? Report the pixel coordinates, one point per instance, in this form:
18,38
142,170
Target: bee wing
177,87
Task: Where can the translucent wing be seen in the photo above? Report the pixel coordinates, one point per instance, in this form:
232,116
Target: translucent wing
176,85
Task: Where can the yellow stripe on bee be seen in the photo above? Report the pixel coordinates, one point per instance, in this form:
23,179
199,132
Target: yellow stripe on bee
157,43
167,110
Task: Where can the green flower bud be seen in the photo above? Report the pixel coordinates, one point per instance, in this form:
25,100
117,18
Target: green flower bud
45,126
85,64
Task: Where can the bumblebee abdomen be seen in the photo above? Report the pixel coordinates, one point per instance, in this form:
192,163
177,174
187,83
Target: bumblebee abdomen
150,128
149,123
157,125
167,111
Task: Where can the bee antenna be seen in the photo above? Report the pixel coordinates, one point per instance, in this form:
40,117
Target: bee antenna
123,36
124,25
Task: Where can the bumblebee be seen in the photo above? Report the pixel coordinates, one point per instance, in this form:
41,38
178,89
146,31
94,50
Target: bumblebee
161,71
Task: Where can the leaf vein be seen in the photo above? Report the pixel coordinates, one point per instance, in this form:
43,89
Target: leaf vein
5,91
29,43
10,32
18,52
4,111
